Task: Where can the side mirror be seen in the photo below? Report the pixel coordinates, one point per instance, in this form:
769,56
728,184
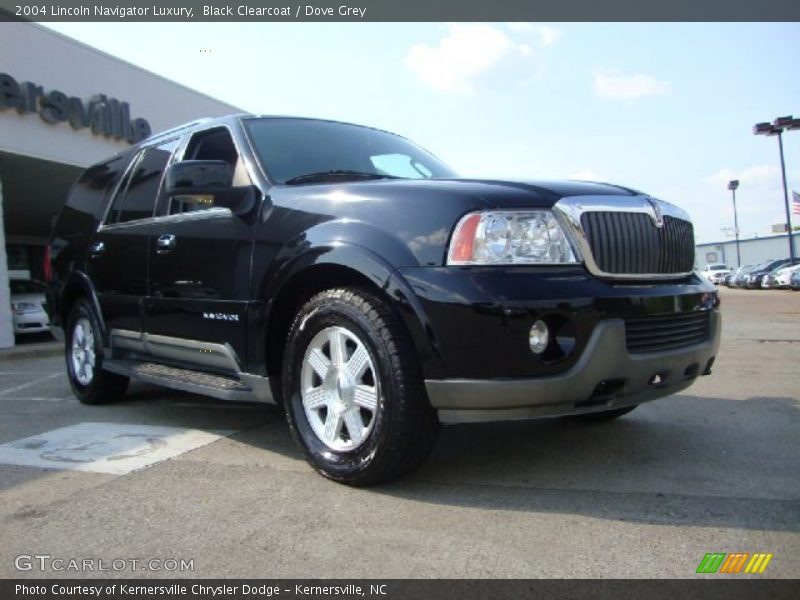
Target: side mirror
198,177
208,182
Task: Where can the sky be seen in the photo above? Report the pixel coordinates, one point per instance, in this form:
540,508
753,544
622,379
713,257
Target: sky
664,108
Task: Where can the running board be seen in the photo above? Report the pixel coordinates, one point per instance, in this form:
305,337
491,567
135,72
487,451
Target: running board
195,382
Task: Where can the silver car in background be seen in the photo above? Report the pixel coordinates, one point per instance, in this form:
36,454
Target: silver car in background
28,306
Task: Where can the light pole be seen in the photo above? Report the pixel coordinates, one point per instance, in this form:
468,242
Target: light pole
732,185
777,127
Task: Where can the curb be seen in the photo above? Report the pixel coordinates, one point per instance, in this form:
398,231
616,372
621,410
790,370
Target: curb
43,351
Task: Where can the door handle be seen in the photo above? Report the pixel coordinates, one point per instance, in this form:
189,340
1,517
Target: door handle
97,249
166,244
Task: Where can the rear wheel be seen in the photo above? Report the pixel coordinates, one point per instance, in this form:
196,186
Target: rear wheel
353,391
603,415
84,353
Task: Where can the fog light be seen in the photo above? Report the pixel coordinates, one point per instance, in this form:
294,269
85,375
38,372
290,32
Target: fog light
538,337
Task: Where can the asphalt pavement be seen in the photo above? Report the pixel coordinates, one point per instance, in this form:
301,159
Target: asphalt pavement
222,488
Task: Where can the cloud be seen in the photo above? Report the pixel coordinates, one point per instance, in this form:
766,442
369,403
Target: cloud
755,175
586,175
546,34
612,84
471,52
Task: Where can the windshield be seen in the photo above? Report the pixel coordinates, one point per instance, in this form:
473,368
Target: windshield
305,151
26,286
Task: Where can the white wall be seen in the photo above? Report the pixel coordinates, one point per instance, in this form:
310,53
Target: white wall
30,52
753,251
6,324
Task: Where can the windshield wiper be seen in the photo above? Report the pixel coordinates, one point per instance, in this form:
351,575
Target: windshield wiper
336,174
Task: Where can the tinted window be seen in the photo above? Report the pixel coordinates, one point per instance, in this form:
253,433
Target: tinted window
290,148
137,195
94,184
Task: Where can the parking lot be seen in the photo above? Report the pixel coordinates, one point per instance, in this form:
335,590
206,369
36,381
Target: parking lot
714,469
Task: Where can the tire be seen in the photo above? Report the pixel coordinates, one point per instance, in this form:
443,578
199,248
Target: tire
90,383
603,415
376,390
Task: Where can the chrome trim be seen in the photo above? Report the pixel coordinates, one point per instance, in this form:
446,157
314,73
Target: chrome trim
571,208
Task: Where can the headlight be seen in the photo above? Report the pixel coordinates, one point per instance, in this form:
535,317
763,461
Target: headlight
506,237
23,307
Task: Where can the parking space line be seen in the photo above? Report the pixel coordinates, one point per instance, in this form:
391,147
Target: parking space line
20,372
34,399
29,384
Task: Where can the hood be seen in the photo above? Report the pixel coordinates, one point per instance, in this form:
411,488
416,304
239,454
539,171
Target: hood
419,213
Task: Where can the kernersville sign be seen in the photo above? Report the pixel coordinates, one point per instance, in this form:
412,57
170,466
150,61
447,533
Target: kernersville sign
103,115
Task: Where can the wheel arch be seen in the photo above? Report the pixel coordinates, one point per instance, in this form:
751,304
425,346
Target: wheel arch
342,265
78,285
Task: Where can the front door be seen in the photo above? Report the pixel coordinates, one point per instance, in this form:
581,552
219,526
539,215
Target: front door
200,268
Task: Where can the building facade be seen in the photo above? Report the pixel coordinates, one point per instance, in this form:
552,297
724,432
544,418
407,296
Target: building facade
63,106
752,250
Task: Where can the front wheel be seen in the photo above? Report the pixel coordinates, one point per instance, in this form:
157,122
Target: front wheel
84,353
353,391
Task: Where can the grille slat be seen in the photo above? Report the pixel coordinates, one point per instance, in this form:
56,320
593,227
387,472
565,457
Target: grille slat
666,332
630,243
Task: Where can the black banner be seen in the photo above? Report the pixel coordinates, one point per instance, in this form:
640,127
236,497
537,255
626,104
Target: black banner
394,10
464,589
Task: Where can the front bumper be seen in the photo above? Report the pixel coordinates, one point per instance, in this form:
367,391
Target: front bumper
606,376
32,322
474,340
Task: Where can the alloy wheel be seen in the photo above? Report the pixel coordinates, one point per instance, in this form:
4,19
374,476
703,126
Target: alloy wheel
340,389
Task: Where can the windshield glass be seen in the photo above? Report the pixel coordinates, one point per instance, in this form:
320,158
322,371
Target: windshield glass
291,150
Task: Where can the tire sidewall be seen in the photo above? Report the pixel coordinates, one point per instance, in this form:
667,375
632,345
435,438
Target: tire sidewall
337,465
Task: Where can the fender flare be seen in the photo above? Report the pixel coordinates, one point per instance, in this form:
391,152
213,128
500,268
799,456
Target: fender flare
81,281
383,276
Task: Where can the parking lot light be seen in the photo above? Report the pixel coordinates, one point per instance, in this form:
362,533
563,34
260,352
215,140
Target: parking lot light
777,128
732,186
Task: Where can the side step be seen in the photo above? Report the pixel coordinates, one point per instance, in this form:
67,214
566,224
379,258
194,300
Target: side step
186,380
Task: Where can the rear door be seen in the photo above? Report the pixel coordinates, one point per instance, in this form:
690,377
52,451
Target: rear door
118,255
200,265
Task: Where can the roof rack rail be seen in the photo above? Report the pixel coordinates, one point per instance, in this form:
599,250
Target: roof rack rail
178,128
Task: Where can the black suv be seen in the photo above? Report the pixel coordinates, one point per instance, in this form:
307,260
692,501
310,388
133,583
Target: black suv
350,277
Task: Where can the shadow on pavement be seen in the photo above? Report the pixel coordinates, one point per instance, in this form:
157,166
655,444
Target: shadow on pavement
681,461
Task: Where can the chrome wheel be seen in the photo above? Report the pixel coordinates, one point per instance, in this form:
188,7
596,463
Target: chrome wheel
340,389
82,353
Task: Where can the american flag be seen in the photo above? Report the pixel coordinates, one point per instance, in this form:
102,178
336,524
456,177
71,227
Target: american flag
795,203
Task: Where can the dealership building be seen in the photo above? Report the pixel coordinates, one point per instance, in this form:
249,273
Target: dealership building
63,106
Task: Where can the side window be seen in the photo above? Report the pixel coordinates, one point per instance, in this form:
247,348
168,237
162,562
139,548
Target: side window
91,191
215,144
138,192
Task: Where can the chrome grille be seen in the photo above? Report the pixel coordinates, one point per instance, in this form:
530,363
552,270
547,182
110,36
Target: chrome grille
631,243
666,332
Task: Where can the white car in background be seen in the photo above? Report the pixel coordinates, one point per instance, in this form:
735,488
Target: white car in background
27,306
715,272
783,276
